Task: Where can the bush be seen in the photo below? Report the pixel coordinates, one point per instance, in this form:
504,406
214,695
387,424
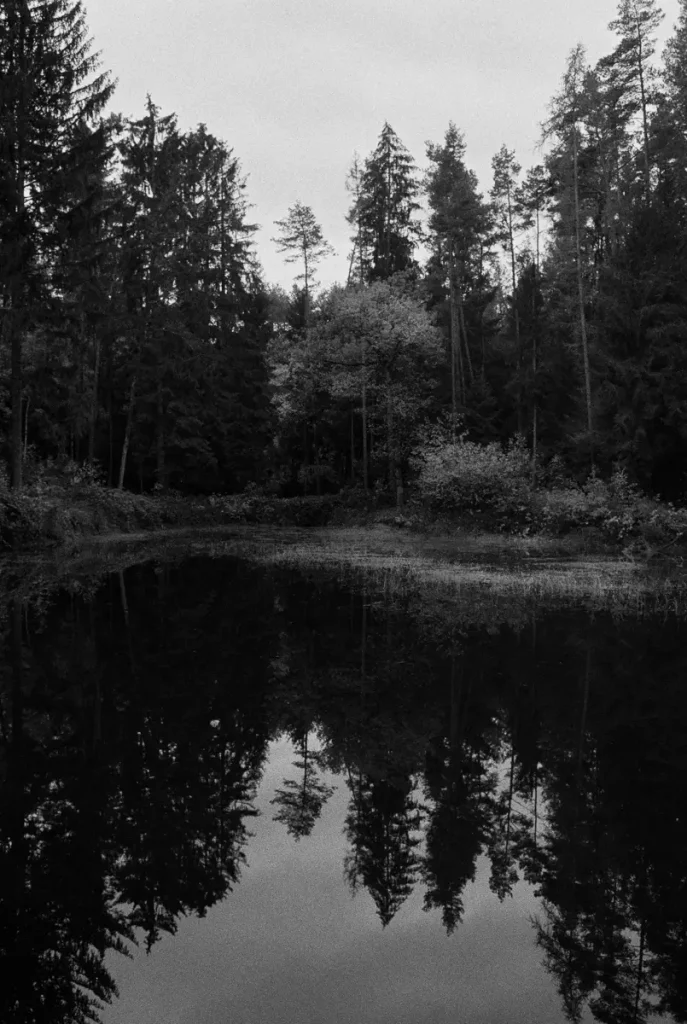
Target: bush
615,507
462,475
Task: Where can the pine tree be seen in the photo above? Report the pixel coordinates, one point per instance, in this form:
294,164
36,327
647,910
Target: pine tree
628,67
302,240
50,95
565,126
503,194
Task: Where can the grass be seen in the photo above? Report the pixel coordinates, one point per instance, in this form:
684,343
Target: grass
468,568
481,576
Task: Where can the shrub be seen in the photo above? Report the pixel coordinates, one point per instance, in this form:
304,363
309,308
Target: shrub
462,475
615,507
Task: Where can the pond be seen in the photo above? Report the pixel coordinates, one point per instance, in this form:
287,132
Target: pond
236,792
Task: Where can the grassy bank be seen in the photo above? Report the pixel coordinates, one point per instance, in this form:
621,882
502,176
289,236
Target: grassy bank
68,516
463,578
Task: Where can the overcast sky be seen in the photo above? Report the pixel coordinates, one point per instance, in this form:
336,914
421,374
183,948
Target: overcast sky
295,87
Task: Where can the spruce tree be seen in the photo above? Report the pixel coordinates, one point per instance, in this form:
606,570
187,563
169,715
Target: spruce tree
51,94
385,208
459,225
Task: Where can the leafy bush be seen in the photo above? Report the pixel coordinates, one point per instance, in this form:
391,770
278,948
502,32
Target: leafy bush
462,475
615,507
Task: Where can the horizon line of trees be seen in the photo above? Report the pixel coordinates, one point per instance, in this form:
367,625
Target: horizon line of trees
138,333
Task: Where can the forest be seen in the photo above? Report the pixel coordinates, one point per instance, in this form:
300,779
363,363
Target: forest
542,320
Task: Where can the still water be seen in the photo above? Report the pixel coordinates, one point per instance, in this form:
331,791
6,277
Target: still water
290,800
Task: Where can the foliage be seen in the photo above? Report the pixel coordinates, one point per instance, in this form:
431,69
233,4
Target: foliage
462,474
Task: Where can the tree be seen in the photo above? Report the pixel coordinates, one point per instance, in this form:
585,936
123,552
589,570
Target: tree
628,65
377,348
503,194
531,201
564,125
384,209
458,225
51,95
301,238
300,803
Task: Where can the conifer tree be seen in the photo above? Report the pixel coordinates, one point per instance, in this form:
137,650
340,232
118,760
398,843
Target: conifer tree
51,94
564,125
628,67
385,208
302,240
458,225
503,194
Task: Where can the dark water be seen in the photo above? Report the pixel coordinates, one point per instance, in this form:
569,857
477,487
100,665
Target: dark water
309,804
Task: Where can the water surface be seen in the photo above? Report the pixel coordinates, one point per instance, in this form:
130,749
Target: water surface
310,802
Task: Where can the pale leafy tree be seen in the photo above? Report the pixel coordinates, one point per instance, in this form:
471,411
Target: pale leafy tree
302,241
378,345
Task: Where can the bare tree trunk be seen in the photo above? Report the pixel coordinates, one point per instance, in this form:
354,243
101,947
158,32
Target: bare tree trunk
159,437
94,401
16,388
580,295
454,366
316,461
395,474
305,456
366,472
464,332
26,426
127,433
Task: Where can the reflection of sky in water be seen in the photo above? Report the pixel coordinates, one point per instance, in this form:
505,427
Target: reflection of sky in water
291,945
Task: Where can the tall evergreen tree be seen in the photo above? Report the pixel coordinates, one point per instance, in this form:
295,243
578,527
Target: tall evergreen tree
458,226
503,195
51,94
385,207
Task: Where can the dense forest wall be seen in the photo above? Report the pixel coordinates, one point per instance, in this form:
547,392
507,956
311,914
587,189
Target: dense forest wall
139,337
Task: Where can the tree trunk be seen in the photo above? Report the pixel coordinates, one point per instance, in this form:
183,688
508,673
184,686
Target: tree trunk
395,474
127,433
366,475
16,388
464,332
305,456
26,426
316,461
580,295
94,401
453,326
160,438
352,446
516,315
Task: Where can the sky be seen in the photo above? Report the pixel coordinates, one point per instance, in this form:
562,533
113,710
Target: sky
296,87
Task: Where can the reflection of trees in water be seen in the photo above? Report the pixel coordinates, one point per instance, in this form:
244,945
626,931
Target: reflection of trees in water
135,726
128,767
